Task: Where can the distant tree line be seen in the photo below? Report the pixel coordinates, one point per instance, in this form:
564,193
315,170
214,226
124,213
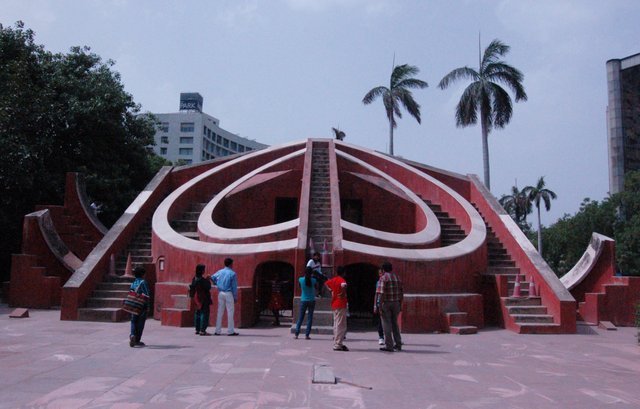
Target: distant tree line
59,113
617,216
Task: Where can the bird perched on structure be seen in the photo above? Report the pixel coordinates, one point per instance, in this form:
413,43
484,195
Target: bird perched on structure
339,134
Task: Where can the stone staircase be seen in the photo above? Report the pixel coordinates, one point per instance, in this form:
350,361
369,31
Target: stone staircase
320,207
451,232
528,312
320,231
187,224
105,303
74,236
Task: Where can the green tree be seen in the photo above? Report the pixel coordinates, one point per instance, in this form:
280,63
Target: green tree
627,224
485,96
518,206
60,113
536,194
398,93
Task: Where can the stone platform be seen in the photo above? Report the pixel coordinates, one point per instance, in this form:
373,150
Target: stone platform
48,363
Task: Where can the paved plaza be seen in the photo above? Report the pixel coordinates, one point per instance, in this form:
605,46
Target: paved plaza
48,363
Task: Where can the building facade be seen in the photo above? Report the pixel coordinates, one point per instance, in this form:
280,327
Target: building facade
623,119
191,136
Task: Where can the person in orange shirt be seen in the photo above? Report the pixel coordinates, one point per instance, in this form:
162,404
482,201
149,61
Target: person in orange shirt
338,287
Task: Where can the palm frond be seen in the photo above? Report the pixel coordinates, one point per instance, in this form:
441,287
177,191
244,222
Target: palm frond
493,51
458,73
410,104
466,110
502,107
412,83
401,72
373,94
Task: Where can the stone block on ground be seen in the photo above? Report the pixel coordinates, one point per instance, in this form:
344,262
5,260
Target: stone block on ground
19,313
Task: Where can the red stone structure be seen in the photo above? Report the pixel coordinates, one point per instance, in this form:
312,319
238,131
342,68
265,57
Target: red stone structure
456,250
55,239
601,294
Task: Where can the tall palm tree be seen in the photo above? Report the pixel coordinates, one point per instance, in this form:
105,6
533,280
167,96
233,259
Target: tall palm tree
536,194
398,93
518,206
485,96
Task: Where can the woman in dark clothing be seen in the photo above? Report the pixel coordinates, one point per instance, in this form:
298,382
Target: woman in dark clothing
200,291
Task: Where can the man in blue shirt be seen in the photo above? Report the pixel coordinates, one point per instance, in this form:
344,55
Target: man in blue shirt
227,282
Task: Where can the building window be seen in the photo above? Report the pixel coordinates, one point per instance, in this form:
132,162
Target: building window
240,148
234,146
164,126
248,149
186,151
187,161
163,151
186,139
219,139
225,142
187,127
164,139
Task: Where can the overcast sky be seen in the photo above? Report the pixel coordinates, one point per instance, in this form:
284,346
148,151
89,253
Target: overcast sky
283,70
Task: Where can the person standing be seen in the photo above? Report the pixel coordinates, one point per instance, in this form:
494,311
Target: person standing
376,311
140,286
316,266
338,287
200,291
307,301
389,297
227,282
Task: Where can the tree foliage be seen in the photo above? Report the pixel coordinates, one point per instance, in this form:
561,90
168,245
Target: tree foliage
59,113
536,194
518,205
398,94
617,216
485,97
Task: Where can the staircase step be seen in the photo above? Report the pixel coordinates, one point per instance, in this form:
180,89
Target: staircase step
538,328
96,302
521,301
114,286
533,318
463,329
527,309
103,314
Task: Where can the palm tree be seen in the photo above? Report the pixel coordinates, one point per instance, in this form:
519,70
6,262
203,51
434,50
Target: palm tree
518,206
485,96
398,93
536,194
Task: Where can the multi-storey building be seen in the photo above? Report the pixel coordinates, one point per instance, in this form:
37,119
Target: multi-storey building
191,136
623,119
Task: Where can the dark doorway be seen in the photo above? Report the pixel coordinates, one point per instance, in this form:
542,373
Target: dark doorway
361,287
273,282
351,210
286,209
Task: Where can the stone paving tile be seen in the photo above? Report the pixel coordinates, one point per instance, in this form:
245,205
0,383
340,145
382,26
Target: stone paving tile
48,363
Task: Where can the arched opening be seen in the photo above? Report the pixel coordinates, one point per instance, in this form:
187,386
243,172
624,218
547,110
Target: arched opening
273,285
361,287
